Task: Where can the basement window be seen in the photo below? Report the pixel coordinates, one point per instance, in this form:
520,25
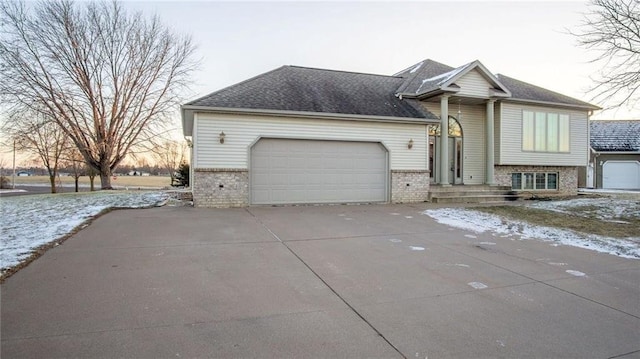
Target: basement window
534,181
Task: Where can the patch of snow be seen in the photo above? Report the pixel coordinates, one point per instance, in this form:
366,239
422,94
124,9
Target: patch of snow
32,221
348,219
557,264
395,240
413,248
394,214
470,236
462,265
480,222
408,217
575,273
477,285
488,243
12,190
416,68
607,209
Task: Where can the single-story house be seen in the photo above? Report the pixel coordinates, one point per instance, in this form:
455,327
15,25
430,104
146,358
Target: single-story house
307,135
23,174
615,155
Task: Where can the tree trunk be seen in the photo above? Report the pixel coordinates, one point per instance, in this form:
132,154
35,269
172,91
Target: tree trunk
105,174
77,178
105,181
91,181
52,180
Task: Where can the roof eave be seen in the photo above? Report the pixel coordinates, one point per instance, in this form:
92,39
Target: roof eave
189,110
554,104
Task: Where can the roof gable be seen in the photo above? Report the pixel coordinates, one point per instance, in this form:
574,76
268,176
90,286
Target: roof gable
431,77
618,136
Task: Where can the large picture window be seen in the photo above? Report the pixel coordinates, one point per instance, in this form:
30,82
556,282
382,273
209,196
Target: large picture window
545,132
534,181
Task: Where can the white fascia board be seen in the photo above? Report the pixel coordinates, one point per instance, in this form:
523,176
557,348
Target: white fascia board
617,152
551,104
302,114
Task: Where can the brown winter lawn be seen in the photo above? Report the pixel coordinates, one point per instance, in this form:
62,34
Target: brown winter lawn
130,181
579,220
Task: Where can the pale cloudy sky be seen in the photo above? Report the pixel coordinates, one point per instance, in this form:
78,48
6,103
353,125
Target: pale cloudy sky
525,40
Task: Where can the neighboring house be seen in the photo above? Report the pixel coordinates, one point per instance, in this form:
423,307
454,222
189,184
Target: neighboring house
23,174
305,135
615,155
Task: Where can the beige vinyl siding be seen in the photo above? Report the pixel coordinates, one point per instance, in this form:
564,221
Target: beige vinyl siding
243,131
473,121
473,84
510,150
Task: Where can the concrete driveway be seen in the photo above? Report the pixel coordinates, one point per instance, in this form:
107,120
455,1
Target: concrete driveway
329,281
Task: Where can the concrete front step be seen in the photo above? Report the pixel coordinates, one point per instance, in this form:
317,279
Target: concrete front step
471,194
489,198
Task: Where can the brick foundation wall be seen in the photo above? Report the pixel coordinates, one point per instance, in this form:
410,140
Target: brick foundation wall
220,187
568,177
409,186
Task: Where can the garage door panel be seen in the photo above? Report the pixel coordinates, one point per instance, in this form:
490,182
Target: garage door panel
306,171
621,175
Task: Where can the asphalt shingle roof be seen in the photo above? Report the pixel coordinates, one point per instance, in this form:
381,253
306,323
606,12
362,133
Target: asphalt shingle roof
302,89
525,91
622,136
293,88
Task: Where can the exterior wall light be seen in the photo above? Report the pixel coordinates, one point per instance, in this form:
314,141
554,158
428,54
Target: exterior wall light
410,144
222,136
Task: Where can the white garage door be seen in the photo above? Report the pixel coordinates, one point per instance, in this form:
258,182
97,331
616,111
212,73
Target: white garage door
621,175
306,171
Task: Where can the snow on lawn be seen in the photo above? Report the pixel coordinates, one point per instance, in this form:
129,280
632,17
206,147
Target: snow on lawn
604,208
31,221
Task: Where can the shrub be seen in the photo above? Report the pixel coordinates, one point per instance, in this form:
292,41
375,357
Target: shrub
182,177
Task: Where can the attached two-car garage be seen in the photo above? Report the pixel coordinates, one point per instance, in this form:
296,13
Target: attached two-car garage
621,175
286,171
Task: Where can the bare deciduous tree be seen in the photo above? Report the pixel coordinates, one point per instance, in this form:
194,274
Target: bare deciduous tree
109,78
612,30
41,136
169,155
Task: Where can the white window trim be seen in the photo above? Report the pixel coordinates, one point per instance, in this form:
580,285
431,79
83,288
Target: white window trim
546,181
559,131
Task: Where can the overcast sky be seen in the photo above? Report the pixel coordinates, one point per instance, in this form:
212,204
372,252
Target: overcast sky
525,40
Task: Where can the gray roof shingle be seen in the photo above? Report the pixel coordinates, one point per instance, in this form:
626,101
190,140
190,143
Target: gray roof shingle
301,89
525,91
622,136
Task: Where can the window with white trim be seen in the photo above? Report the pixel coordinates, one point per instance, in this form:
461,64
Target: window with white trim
534,181
545,132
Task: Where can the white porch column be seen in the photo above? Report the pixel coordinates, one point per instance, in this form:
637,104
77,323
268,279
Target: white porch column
490,143
444,141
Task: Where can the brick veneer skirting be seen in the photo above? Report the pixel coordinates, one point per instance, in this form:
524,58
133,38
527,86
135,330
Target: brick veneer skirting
409,186
568,177
221,187
229,187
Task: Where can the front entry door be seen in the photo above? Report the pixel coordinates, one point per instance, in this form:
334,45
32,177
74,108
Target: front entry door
455,158
454,145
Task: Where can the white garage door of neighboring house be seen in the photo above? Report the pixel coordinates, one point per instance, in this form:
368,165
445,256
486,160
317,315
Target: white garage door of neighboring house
307,171
621,175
